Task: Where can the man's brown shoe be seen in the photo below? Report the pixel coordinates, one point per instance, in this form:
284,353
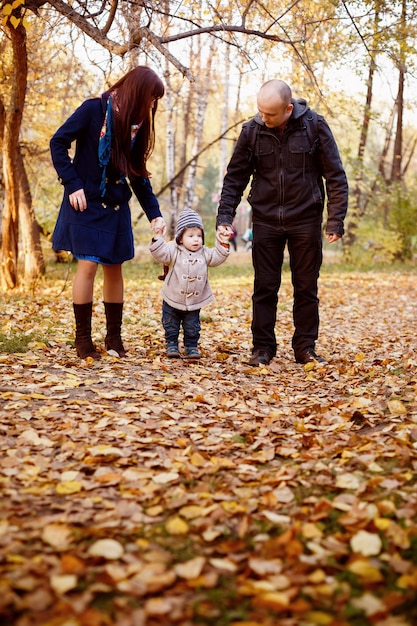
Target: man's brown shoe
309,356
260,357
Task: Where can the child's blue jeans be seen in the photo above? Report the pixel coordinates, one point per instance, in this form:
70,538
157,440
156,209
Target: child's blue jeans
172,319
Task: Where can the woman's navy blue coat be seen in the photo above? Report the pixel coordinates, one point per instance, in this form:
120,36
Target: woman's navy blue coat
104,229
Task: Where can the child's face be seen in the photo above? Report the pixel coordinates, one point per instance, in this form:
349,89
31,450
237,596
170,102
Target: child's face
192,238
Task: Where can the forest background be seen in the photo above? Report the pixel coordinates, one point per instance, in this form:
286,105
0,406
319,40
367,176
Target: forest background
353,61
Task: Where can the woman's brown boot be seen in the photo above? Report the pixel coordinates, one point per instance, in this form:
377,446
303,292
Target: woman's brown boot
83,342
114,314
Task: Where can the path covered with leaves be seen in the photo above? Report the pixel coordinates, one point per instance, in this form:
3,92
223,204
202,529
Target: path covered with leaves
145,491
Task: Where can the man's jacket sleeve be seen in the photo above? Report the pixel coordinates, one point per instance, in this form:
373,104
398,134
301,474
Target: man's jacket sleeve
237,177
335,178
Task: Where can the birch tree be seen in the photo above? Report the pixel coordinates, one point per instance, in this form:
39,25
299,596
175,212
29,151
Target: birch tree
203,91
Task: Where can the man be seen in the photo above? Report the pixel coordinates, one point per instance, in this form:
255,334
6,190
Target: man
289,151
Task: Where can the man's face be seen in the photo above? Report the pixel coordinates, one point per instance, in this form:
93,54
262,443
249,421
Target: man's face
273,112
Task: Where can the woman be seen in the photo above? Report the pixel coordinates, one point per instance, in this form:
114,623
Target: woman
114,137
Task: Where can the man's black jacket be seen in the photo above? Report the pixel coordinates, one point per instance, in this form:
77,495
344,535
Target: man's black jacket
287,173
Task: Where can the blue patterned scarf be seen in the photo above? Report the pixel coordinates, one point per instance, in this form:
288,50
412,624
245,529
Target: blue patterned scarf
104,144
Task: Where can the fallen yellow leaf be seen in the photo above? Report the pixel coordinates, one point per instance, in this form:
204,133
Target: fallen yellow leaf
365,570
68,487
176,526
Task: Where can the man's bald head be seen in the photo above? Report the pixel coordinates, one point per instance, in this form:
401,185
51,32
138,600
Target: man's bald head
274,103
276,90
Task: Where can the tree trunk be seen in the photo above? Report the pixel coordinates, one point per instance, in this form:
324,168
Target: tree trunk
13,121
225,122
34,265
2,194
202,100
396,170
170,153
357,210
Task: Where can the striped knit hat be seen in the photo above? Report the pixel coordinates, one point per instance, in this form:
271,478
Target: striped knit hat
188,219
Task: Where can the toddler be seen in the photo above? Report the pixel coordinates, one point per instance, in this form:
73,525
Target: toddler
186,287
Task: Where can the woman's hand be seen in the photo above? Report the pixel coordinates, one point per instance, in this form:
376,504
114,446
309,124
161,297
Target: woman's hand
158,226
78,200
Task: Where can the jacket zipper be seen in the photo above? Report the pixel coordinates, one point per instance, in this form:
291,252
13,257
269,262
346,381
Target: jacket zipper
281,189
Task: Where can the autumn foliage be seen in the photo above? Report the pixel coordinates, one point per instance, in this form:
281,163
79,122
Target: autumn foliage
145,491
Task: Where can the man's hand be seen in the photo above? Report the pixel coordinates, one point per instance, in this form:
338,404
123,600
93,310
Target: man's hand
224,239
332,237
223,233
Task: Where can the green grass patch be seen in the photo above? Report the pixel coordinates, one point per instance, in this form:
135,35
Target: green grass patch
16,343
410,554
355,616
331,525
221,605
355,584
239,439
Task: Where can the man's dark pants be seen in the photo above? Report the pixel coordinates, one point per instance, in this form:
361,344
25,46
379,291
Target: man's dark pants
304,244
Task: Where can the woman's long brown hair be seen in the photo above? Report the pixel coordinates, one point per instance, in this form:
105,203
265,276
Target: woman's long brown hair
135,101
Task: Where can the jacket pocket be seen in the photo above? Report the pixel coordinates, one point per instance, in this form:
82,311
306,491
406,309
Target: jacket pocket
299,152
265,153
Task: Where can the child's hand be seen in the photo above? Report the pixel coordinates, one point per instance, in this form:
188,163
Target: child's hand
222,234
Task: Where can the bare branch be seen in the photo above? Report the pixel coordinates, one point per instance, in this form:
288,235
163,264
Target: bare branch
156,41
100,37
215,28
196,156
110,19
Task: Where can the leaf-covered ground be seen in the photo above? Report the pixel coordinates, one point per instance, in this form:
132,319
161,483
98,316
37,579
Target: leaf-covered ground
146,491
